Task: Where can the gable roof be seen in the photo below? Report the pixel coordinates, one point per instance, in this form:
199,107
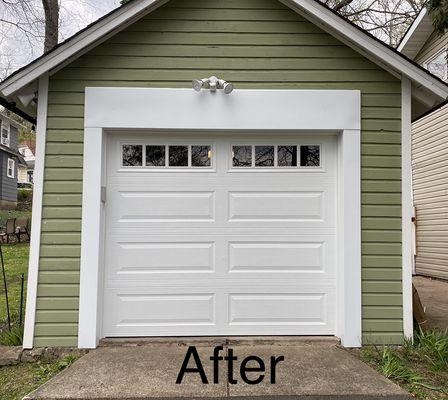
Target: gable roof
12,152
16,124
417,35
324,17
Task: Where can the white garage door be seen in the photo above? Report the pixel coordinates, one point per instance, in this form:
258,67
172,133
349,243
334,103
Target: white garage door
220,235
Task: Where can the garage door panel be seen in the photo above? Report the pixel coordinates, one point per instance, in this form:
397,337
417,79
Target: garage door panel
274,256
266,206
148,310
247,209
277,309
178,206
264,257
163,257
265,309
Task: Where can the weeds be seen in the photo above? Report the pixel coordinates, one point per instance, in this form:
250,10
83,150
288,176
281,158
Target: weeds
18,380
13,337
433,345
420,366
48,370
393,367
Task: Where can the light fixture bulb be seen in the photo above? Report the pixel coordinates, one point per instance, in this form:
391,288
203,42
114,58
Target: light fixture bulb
228,88
198,84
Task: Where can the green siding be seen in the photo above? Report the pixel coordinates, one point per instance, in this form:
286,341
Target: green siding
255,44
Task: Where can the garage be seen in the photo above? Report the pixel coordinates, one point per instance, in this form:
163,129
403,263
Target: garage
220,234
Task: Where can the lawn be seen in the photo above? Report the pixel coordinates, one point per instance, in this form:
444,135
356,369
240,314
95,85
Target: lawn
16,263
18,380
420,367
15,257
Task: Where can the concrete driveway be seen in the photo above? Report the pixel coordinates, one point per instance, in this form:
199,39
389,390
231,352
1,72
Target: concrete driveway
433,296
311,369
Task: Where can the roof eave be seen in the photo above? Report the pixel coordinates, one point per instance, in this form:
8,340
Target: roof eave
417,35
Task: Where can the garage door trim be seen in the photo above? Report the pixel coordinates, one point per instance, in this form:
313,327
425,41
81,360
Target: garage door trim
181,110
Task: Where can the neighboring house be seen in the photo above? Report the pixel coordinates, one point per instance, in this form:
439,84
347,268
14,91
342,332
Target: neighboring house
26,171
430,154
10,159
282,208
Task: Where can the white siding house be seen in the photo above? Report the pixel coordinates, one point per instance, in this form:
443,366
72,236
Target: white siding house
430,155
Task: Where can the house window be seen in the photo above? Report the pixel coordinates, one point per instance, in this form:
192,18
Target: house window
30,175
11,168
276,156
6,131
438,65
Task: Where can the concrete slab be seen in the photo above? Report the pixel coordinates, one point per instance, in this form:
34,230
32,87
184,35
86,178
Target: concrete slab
433,295
10,355
311,370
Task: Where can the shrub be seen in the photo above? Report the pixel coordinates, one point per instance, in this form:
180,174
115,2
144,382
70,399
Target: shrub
24,195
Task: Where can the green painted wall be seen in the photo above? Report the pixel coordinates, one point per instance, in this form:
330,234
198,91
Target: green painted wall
255,44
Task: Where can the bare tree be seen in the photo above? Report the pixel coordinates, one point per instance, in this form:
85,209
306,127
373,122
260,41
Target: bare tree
385,19
30,27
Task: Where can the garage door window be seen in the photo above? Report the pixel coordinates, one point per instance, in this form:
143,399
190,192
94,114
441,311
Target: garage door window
155,156
167,156
201,156
178,156
276,156
132,155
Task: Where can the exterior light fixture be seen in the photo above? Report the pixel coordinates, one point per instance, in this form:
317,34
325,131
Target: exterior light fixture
27,99
213,84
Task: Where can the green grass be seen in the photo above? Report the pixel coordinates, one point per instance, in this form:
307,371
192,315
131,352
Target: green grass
420,367
19,380
16,263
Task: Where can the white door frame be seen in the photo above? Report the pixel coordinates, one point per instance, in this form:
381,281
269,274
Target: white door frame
307,111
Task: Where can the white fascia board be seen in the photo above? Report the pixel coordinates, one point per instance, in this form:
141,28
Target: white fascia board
325,110
412,29
79,44
356,39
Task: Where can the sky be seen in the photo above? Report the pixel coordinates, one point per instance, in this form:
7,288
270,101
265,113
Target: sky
18,48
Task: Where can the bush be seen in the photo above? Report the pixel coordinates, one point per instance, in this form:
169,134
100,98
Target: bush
24,195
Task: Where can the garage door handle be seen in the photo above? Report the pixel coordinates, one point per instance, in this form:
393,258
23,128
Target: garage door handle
103,194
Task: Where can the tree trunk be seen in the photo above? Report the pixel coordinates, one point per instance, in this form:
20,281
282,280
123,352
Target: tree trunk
51,9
